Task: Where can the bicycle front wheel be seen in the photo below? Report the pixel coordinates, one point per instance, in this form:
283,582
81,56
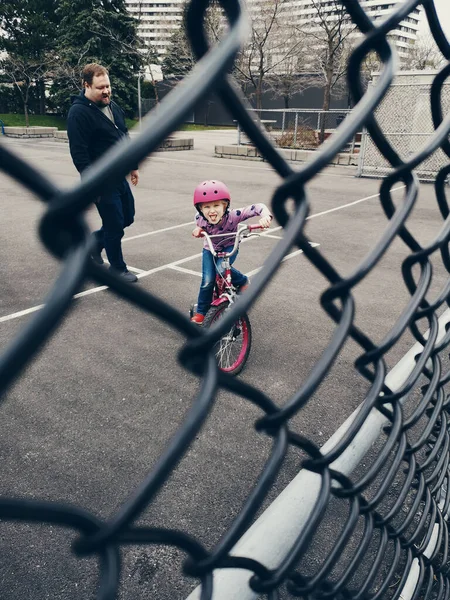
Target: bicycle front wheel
233,348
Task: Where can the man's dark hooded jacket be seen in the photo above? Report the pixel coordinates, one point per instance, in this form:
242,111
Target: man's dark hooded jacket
90,132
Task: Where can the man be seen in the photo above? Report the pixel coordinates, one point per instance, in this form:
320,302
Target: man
94,125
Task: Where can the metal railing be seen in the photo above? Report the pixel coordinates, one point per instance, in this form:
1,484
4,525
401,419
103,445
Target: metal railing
300,128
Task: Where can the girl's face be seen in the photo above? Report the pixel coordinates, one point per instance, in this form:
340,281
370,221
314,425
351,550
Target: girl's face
213,211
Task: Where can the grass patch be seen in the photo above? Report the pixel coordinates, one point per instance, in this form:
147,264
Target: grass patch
13,120
194,127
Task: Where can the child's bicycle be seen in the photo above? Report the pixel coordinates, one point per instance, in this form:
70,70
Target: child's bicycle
233,348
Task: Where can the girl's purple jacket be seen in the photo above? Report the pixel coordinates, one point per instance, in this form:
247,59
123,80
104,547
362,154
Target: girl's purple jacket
228,224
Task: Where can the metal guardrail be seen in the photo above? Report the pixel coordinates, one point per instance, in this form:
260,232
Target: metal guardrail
394,537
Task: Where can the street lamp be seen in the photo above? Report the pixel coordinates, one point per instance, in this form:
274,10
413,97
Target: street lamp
139,100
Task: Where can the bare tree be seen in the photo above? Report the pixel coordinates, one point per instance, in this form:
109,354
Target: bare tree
329,32
370,64
422,54
274,50
25,74
292,77
180,59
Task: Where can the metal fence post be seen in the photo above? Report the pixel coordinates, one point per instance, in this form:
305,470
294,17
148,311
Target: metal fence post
283,122
295,129
139,101
361,153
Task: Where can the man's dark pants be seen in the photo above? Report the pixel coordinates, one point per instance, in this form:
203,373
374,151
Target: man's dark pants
116,209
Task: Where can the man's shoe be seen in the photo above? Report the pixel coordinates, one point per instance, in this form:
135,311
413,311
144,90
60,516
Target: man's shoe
131,277
97,257
198,318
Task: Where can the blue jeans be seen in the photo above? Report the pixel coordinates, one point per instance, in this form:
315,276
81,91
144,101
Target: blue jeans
209,276
116,209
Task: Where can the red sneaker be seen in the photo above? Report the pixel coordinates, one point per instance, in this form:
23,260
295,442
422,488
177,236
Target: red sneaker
244,287
198,318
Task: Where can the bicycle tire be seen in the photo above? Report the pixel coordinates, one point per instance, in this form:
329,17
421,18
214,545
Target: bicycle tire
242,335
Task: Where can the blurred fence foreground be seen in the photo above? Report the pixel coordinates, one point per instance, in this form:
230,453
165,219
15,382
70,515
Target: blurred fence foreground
385,518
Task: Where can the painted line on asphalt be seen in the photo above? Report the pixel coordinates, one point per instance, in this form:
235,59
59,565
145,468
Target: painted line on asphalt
183,270
21,313
272,229
141,235
133,269
101,288
28,311
287,257
216,164
326,212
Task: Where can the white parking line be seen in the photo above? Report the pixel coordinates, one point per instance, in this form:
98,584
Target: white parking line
142,274
98,289
141,235
326,212
226,165
287,257
183,270
133,269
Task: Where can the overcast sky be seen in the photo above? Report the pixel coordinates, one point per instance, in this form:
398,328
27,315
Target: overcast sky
443,10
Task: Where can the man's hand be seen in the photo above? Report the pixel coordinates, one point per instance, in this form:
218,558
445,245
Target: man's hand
197,232
134,175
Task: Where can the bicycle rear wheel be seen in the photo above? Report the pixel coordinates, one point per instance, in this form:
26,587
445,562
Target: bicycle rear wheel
233,348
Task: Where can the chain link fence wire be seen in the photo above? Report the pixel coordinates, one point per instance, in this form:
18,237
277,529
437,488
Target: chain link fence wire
388,513
299,128
406,119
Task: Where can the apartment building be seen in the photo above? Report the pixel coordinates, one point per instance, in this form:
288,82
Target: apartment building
304,12
160,18
157,20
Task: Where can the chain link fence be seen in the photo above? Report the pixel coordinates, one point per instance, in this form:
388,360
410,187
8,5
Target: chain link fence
390,516
406,119
304,129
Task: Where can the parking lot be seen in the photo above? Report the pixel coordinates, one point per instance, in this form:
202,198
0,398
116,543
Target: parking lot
91,415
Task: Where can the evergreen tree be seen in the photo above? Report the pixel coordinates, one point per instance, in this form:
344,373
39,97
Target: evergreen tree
29,33
180,59
99,31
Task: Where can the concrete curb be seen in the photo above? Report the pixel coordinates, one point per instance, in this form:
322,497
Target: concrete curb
251,153
31,132
170,144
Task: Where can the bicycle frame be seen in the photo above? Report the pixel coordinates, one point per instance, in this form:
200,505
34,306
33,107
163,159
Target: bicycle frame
223,289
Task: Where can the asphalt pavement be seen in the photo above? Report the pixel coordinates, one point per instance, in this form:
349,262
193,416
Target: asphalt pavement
90,416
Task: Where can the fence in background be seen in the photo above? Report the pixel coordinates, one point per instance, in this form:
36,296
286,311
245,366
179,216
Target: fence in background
407,122
304,129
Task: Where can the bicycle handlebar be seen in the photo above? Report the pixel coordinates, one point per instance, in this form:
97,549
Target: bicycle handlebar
242,232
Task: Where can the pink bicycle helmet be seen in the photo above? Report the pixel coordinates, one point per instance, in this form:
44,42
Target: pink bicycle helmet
208,191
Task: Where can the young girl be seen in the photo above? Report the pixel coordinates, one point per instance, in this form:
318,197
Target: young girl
212,200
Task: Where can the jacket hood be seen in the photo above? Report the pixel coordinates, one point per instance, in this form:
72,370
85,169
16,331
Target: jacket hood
79,99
